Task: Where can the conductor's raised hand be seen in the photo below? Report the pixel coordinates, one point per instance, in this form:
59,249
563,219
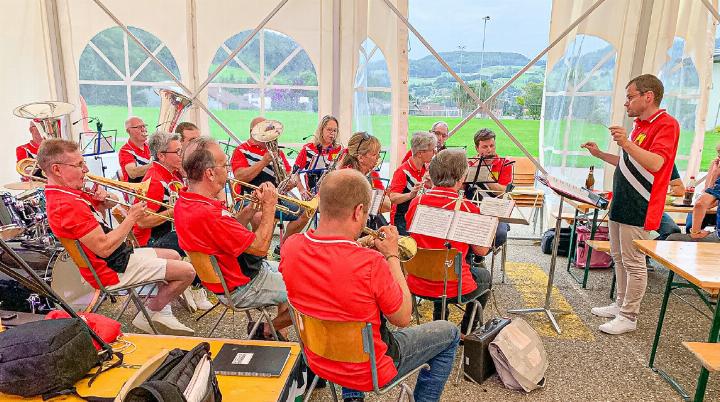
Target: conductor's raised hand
592,148
619,135
389,245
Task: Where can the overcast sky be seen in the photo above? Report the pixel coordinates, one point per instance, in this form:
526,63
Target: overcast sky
515,25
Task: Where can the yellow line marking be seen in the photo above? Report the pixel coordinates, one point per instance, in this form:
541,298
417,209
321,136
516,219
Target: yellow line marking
531,282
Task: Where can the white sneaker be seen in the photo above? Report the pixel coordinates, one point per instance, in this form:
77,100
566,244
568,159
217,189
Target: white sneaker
201,299
610,311
166,323
141,323
187,300
618,325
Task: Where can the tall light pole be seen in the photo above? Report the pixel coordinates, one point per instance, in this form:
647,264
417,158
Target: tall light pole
482,53
462,48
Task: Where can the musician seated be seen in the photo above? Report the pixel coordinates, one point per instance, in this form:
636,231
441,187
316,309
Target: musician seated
204,225
447,172
253,163
74,214
705,202
30,149
134,156
331,277
502,172
187,131
319,154
441,130
363,154
410,177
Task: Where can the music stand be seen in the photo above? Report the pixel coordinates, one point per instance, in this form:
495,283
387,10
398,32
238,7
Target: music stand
564,190
99,143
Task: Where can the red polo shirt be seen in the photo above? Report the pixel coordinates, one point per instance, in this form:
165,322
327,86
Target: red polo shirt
317,271
71,215
404,179
28,150
502,173
204,225
438,197
247,154
130,153
308,155
160,178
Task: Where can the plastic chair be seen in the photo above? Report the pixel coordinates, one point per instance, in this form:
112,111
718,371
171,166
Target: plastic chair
346,342
81,260
208,270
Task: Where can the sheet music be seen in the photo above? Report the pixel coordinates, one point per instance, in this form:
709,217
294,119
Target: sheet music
573,191
471,228
483,175
376,202
433,222
496,207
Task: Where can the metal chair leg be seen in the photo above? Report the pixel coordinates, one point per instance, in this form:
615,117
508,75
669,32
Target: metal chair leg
141,307
416,309
333,392
311,388
218,322
503,258
100,301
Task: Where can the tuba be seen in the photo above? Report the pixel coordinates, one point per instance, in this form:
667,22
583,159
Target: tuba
45,116
267,132
172,106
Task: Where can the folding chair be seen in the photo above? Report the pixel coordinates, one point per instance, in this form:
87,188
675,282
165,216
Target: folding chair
525,194
345,342
81,260
434,265
207,268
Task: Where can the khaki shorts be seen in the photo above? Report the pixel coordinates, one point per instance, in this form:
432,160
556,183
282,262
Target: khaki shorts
143,266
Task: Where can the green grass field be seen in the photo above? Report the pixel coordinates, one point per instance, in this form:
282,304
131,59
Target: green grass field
301,124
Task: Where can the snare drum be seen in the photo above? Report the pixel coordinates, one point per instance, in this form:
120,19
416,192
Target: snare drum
71,286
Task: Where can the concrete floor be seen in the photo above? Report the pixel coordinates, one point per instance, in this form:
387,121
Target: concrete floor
584,364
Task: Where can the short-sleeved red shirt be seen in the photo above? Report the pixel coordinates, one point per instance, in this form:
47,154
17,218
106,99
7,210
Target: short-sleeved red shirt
315,161
439,197
314,269
247,154
72,215
130,153
499,169
28,150
160,178
404,179
204,225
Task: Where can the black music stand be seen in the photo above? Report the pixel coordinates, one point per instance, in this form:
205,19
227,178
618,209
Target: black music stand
564,190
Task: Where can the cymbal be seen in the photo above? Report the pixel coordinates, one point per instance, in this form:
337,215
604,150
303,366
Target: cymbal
24,185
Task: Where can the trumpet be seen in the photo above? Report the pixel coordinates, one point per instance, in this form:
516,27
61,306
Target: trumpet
407,246
137,190
309,206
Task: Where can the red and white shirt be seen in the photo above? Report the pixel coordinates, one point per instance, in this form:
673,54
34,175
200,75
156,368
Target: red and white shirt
247,154
28,150
440,197
315,161
131,153
204,225
499,168
404,179
72,214
317,271
159,189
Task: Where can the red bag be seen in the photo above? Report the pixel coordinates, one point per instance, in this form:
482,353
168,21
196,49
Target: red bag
599,259
106,328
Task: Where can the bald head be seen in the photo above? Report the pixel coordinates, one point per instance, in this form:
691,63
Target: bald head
341,191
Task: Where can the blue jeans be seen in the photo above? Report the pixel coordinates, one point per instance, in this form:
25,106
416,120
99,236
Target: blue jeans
667,227
434,343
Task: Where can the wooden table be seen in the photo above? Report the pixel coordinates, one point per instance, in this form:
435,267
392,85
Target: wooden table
233,388
697,264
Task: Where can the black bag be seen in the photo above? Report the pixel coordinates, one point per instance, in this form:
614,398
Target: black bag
478,364
168,376
15,297
546,244
45,357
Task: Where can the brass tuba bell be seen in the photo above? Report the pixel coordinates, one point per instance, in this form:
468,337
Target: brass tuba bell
172,106
45,116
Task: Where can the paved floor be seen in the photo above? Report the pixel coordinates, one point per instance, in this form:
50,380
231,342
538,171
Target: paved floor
584,364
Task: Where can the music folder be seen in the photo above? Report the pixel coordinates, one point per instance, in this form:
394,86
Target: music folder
251,360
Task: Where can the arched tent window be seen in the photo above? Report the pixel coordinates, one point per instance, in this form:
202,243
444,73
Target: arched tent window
578,102
272,76
372,104
682,93
117,78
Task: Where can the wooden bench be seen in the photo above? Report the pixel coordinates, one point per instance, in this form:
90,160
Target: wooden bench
599,245
707,353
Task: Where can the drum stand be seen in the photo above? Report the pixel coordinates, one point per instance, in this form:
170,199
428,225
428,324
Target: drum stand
551,277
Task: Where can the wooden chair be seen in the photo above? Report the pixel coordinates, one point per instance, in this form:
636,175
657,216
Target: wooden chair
525,194
208,270
345,342
444,265
81,260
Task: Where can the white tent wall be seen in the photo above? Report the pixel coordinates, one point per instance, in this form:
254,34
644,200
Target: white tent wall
26,74
641,32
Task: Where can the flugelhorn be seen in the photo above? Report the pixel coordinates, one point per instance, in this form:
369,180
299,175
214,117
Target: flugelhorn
309,206
407,246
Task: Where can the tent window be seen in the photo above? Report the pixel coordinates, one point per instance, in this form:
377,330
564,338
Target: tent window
372,103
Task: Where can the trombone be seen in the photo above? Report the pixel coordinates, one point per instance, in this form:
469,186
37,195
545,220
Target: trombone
309,206
407,246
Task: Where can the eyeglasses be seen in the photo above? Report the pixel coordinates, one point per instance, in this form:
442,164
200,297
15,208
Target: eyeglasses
366,136
631,97
177,152
81,164
227,166
332,130
140,126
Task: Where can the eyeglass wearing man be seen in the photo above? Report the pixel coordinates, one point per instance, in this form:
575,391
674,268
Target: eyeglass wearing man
134,156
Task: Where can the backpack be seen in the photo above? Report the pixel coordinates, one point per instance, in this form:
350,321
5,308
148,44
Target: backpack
519,356
45,357
174,376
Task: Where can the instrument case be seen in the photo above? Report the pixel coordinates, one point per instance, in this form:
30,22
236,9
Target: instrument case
478,364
